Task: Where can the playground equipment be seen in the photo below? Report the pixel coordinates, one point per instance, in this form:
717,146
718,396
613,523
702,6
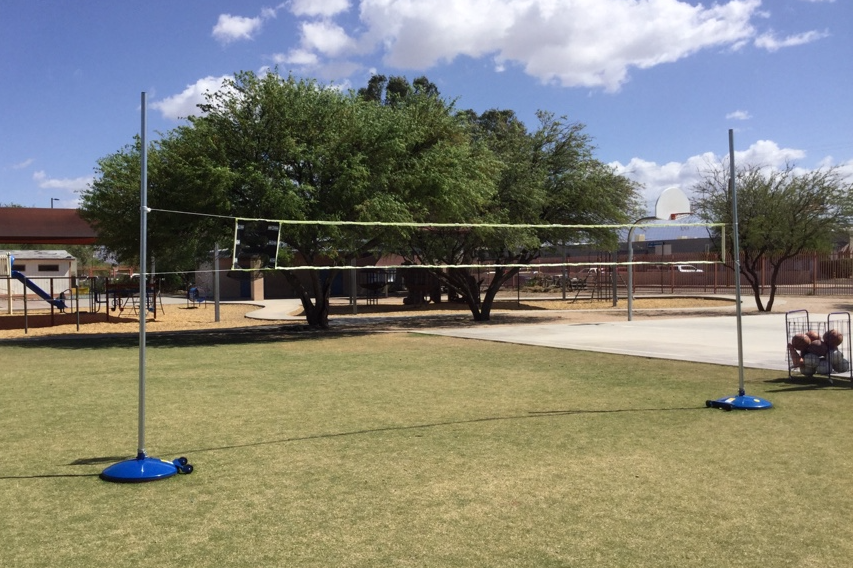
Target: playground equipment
374,280
119,295
196,297
58,302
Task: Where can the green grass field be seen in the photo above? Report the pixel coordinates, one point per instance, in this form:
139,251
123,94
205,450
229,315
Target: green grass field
409,450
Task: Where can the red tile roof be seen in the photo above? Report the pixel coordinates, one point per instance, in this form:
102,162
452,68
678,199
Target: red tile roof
34,225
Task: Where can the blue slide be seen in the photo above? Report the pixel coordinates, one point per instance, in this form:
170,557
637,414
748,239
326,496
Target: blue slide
42,294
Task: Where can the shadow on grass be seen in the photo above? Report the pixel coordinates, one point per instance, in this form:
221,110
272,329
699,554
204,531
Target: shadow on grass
533,414
49,475
268,333
795,384
530,415
177,339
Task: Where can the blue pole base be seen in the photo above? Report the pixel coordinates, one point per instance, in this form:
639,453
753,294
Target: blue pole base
139,470
739,402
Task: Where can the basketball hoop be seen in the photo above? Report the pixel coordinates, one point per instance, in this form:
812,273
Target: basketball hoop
667,207
671,203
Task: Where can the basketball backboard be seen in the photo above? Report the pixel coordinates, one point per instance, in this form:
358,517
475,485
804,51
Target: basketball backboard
672,204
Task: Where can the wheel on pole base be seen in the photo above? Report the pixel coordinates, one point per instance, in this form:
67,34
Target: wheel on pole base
183,465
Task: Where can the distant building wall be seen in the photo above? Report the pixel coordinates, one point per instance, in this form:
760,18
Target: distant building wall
43,267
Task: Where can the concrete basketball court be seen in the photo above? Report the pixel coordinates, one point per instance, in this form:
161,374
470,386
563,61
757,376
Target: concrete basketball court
699,339
711,339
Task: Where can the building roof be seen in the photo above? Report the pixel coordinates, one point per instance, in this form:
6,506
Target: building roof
35,225
38,254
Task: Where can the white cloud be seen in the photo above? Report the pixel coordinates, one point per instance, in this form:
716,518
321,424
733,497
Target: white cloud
591,43
767,153
325,8
185,103
329,39
334,70
769,41
582,43
656,177
738,115
234,28
298,57
70,185
22,165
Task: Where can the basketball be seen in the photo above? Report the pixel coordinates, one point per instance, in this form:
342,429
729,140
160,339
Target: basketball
810,361
832,338
842,366
818,347
813,334
835,358
800,341
807,371
823,367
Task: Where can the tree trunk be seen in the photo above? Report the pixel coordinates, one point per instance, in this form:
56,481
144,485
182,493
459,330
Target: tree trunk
748,269
467,287
756,293
774,275
491,292
316,311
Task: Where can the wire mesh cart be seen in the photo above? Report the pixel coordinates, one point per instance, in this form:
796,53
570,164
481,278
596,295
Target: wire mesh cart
820,348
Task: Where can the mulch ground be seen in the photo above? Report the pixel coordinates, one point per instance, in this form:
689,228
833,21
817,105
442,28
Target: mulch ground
391,315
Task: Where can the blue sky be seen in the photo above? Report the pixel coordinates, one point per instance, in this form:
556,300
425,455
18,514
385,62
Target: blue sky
658,83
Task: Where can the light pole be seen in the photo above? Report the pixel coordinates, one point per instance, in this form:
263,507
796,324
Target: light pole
52,199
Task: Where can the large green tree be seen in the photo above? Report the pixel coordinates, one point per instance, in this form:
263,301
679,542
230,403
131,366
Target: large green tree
547,176
781,213
179,179
272,147
299,151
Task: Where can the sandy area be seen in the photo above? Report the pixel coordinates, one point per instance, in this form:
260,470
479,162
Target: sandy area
391,314
169,318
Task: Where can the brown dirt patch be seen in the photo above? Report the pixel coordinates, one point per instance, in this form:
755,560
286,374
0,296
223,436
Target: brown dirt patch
391,315
171,318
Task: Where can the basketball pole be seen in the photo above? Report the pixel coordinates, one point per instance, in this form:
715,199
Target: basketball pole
631,264
670,205
742,401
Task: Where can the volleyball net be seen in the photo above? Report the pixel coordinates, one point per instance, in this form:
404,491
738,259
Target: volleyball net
262,245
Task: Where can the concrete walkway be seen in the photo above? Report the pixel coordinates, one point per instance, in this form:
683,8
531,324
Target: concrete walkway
700,339
274,309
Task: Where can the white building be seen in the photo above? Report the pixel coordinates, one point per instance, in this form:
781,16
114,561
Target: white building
44,268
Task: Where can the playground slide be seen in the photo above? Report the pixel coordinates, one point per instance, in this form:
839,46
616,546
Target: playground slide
42,294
